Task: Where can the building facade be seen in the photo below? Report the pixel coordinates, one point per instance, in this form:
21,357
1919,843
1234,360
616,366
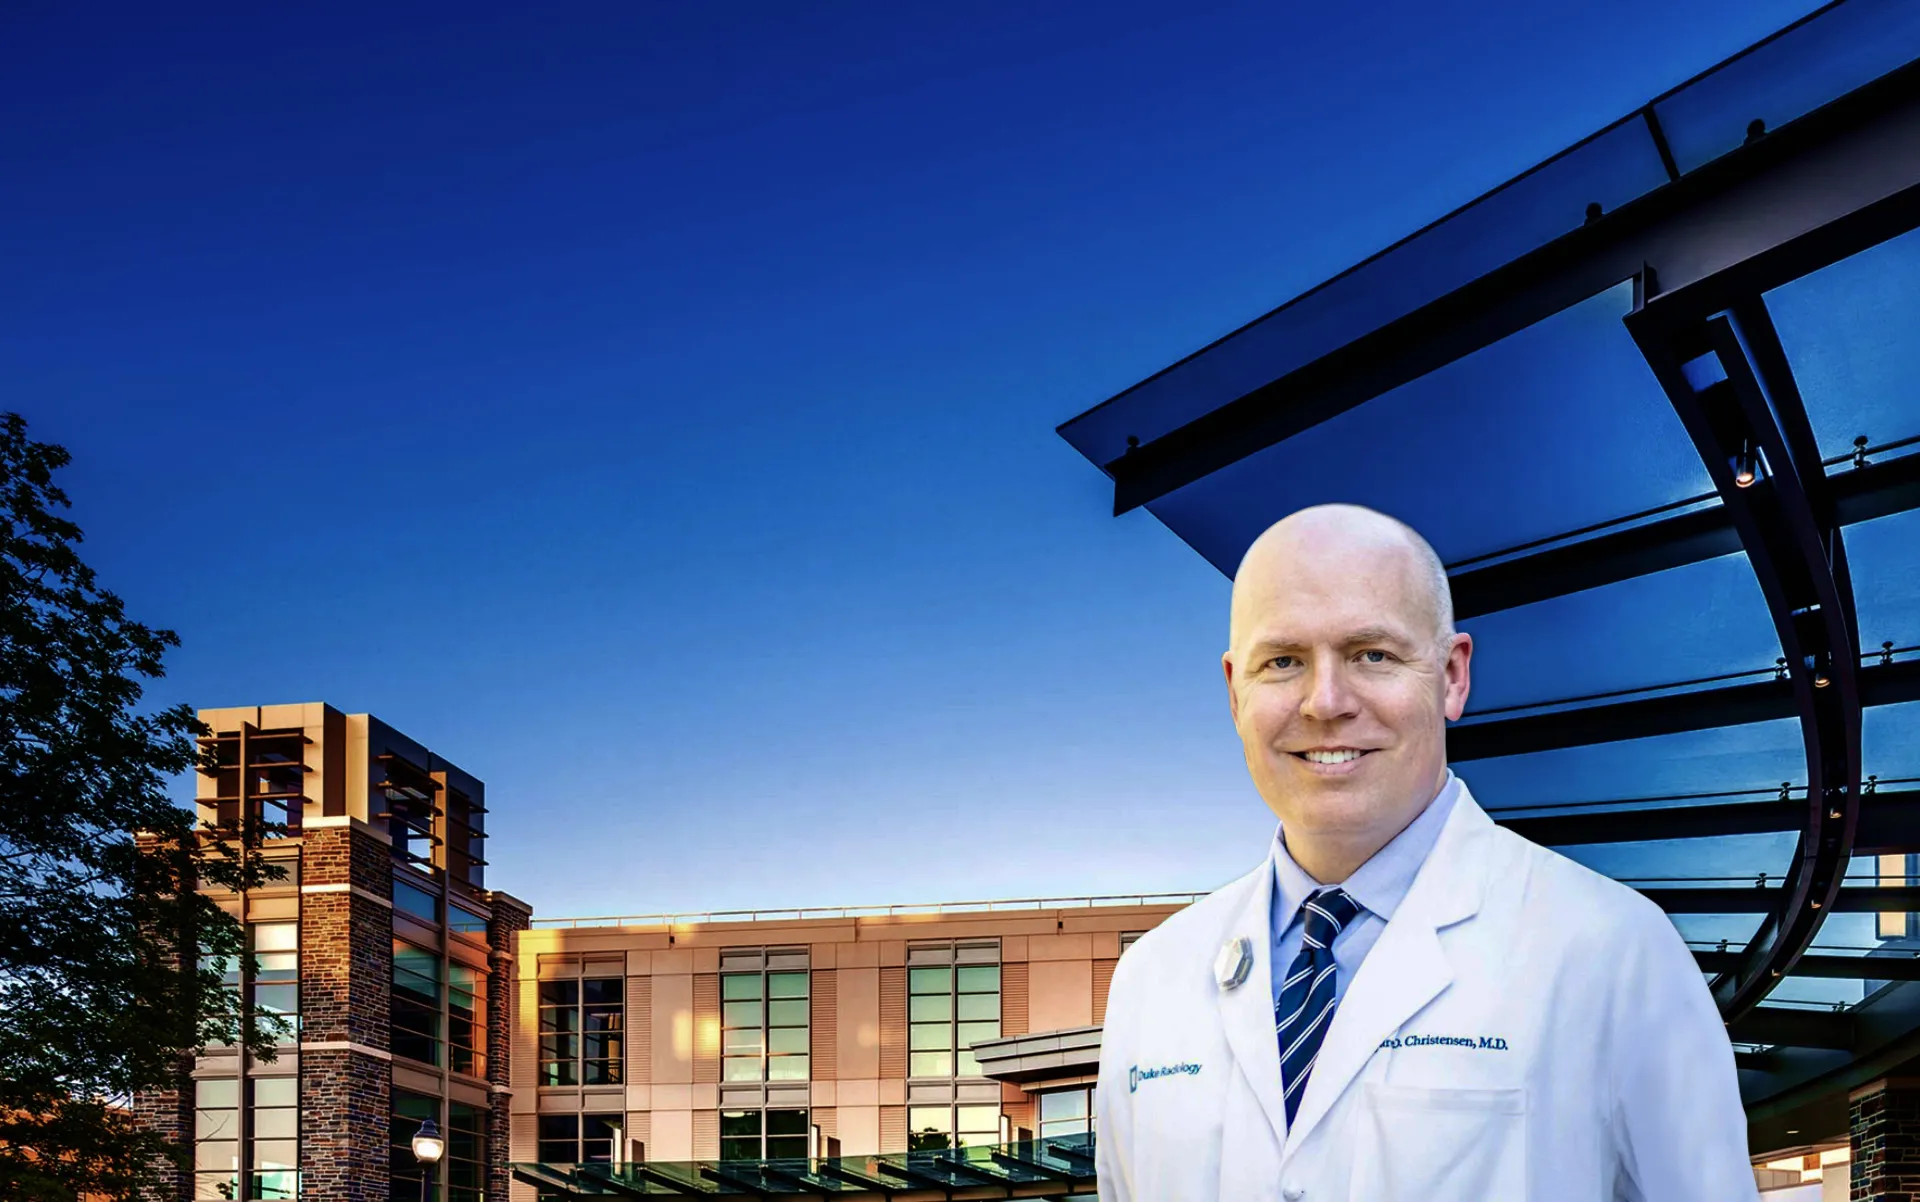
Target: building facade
382,953
807,1034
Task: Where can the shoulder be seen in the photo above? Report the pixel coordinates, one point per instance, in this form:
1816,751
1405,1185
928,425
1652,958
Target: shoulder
1181,949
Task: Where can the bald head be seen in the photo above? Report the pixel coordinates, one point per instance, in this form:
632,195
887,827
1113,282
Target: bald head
1342,673
1339,533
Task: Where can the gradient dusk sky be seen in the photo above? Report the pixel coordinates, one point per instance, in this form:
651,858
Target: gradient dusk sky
650,406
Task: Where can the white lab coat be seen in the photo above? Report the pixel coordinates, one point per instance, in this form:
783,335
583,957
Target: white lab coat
1525,1030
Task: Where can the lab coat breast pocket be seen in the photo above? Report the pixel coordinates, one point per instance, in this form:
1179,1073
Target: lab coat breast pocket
1416,1144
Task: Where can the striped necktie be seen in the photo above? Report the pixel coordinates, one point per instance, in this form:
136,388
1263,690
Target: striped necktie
1305,1008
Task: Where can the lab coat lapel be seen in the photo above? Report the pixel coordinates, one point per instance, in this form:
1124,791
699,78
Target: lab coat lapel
1246,1013
1407,967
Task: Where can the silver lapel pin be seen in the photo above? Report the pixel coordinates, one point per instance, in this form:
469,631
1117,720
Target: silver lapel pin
1234,962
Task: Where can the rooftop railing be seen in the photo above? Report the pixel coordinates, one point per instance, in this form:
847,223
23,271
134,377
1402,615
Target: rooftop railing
823,913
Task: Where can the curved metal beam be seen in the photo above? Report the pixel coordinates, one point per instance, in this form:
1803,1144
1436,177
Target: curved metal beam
1751,423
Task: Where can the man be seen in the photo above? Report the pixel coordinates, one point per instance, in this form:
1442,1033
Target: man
1405,1001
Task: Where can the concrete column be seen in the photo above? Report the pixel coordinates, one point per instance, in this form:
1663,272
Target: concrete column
1885,1135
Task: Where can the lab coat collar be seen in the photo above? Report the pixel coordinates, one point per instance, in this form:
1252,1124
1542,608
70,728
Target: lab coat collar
1406,969
1246,1012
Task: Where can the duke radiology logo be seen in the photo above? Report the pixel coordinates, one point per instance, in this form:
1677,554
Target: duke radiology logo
1136,1074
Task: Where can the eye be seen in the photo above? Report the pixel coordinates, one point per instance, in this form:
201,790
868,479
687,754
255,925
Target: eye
1375,656
1281,663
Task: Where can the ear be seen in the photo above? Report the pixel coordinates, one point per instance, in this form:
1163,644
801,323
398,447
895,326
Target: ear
1459,675
1233,694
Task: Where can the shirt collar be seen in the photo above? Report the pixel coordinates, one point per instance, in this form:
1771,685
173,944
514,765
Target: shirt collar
1381,882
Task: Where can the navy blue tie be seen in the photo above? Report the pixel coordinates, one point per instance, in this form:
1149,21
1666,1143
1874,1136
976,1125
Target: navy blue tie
1305,1008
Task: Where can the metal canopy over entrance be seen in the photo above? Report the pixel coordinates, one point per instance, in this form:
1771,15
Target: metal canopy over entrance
1656,403
1060,1167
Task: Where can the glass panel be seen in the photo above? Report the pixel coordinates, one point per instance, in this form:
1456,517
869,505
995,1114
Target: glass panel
740,1014
972,1033
466,922
1756,756
560,1018
741,1068
786,1147
924,1037
980,1006
937,1007
277,999
965,1065
740,1122
787,1068
786,1122
279,1122
276,1091
787,1039
413,900
979,1120
217,1092
1615,166
739,987
787,1014
602,991
980,979
216,1154
1701,620
930,1064
1063,1104
1883,556
278,966
930,980
1633,452
930,1118
746,1040
1847,330
276,936
1789,77
787,984
559,993
276,1154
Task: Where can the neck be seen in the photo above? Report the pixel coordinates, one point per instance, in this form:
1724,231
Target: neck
1331,858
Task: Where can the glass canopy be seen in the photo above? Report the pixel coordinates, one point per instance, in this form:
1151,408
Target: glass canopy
1656,404
1056,1167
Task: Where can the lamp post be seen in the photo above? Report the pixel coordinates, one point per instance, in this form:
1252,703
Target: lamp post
427,1149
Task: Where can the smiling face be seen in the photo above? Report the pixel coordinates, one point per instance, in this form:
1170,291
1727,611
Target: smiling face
1342,672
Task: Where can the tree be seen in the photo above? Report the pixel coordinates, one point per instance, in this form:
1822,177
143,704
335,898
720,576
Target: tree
111,955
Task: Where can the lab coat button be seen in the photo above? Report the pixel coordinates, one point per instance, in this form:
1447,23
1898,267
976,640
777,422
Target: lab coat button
1292,1193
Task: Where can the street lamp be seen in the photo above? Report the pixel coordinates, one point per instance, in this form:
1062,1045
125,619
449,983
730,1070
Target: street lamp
427,1149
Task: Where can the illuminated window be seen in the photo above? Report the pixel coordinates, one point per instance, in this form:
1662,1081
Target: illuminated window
764,1016
763,1135
931,1128
950,1007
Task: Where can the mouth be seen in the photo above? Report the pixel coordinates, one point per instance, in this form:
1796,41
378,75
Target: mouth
1332,761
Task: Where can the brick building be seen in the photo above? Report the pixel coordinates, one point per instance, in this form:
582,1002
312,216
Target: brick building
384,951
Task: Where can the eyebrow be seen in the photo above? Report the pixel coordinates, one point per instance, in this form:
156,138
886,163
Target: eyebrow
1366,634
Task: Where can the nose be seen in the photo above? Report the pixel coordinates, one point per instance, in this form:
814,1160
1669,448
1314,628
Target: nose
1330,696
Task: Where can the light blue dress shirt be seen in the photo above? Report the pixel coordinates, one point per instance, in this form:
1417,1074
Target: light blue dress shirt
1379,885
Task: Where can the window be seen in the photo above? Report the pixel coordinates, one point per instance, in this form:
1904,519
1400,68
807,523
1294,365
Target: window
764,1026
466,1019
1066,1112
931,1128
950,1008
462,921
415,901
577,1138
466,1153
274,1136
763,1135
580,1030
216,1138
1128,939
403,1168
276,979
416,1003
272,1167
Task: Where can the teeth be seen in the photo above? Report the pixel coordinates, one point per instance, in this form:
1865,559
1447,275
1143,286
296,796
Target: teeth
1331,757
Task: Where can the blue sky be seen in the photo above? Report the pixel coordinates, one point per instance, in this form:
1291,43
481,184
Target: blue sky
650,406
